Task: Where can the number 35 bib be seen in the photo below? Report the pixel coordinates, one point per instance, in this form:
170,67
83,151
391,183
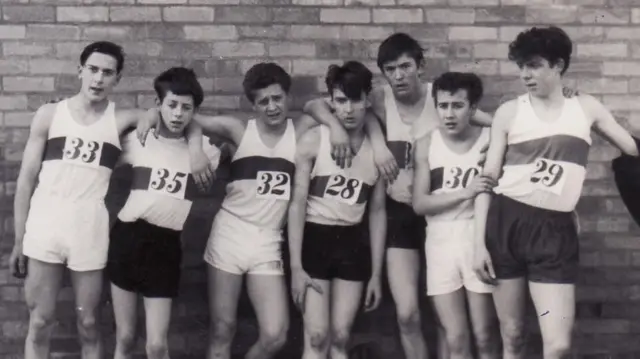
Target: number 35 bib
164,181
548,175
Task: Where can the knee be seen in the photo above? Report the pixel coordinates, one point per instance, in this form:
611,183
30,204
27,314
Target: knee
513,337
274,339
40,323
558,347
339,339
222,331
409,320
156,349
458,342
486,340
125,340
318,340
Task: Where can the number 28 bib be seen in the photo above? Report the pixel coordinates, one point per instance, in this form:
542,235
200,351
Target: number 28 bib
343,189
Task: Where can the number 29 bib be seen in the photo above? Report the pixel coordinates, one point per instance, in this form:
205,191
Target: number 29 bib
548,175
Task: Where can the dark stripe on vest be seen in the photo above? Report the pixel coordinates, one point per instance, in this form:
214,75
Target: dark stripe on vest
436,177
248,167
318,186
401,151
54,150
557,147
142,176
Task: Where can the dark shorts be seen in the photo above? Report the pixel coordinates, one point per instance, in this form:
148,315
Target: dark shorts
145,259
531,242
405,229
339,252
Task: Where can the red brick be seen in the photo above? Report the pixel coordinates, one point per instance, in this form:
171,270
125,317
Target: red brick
353,32
162,2
160,31
53,32
556,14
480,67
246,64
312,67
604,16
317,2
12,48
69,49
52,66
621,68
210,32
606,50
603,326
238,49
18,119
292,50
345,15
527,2
385,16
13,66
585,33
231,85
622,33
369,2
635,16
312,32
75,14
221,102
242,15
114,32
490,50
450,16
147,48
603,86
135,14
474,2
28,14
13,102
188,14
474,33
502,14
12,31
27,84
264,32
426,34
291,15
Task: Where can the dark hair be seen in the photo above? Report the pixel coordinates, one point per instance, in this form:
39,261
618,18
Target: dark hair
453,81
263,75
107,48
397,45
353,78
181,81
551,43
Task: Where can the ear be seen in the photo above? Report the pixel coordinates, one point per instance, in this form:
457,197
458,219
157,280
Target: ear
80,67
421,67
559,65
118,77
158,102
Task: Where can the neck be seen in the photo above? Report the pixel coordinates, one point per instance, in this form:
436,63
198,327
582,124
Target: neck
274,129
464,135
80,101
413,97
554,96
163,131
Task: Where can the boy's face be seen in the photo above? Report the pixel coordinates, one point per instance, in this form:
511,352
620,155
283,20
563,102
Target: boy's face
454,111
177,112
271,104
403,74
99,76
539,76
349,112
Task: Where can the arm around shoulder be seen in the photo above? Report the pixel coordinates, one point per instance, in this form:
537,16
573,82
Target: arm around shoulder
606,125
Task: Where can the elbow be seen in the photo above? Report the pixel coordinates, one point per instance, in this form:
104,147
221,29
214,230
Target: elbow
420,208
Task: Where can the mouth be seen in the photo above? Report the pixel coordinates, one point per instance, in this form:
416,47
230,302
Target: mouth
96,90
531,85
273,116
450,125
175,124
401,87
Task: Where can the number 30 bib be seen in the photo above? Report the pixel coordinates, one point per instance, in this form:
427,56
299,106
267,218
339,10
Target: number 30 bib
456,178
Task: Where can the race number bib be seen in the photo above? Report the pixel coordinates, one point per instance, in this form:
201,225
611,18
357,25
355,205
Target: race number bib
168,182
342,189
82,151
273,184
456,178
548,175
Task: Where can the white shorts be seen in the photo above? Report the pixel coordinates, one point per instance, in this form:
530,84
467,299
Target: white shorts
239,247
449,254
71,233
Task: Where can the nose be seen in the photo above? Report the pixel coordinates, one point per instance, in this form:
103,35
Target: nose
178,111
448,112
348,107
98,77
271,105
398,74
525,73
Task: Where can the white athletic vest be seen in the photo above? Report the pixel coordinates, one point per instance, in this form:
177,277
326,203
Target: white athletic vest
401,139
163,188
260,185
451,172
339,196
78,159
545,162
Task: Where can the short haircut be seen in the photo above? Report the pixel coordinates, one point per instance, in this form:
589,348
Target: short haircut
263,75
353,78
397,45
453,81
181,81
107,48
551,43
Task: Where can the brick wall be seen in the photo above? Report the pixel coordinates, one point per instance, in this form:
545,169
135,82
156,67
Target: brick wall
41,40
